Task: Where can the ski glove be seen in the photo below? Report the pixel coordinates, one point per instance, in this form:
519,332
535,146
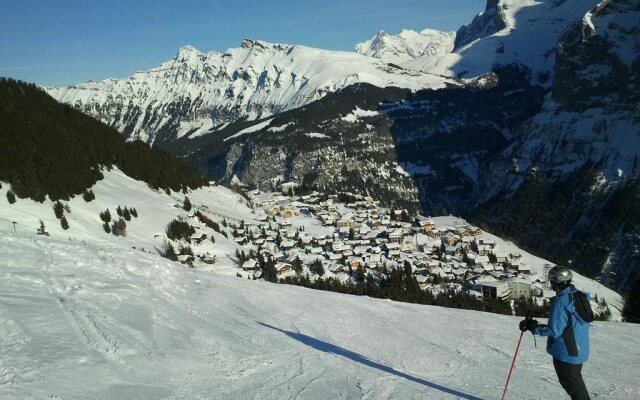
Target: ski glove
528,324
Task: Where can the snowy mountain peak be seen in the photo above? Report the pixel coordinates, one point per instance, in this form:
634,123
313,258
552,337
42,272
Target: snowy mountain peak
194,92
407,45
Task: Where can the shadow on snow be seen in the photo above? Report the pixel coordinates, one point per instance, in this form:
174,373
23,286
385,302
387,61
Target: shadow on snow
331,348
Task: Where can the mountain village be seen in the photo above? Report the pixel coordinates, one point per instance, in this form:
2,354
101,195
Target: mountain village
359,238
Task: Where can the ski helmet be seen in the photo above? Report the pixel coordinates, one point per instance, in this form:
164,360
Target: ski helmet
560,274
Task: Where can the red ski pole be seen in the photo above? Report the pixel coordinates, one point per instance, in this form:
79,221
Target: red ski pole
512,364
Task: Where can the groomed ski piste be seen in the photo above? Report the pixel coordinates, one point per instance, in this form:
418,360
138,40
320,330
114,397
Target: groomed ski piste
84,315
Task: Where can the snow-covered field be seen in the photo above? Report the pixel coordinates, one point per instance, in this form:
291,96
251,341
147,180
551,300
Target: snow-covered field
84,321
87,315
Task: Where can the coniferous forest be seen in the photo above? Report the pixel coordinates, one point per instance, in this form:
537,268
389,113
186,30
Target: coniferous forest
49,148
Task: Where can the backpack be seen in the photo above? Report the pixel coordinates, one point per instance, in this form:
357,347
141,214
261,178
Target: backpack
582,305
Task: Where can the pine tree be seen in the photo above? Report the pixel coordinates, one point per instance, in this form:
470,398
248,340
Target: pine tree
126,214
297,265
134,212
58,209
106,227
64,223
105,216
11,197
170,252
631,309
42,230
186,204
88,195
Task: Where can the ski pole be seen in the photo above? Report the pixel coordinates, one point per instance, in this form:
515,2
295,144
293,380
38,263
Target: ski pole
512,364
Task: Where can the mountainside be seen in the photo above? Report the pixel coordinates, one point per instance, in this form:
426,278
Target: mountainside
195,93
407,45
98,321
551,165
48,148
525,32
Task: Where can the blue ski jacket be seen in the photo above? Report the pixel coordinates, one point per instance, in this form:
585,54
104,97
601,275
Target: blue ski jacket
568,334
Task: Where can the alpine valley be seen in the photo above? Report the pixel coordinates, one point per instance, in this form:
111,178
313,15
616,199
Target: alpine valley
536,140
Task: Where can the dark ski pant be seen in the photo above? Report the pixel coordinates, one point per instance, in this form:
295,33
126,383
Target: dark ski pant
570,377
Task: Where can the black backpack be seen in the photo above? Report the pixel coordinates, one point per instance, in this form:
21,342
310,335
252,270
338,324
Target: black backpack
582,305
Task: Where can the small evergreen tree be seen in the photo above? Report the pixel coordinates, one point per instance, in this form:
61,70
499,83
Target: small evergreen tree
67,208
119,211
134,212
106,227
178,229
11,197
88,195
186,204
64,223
169,251
126,214
105,216
317,268
58,209
297,265
42,230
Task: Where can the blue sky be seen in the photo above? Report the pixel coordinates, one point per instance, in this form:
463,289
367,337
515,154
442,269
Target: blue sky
59,42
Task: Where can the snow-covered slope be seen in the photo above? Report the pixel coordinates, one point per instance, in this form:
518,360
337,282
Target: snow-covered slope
407,45
508,31
82,321
196,92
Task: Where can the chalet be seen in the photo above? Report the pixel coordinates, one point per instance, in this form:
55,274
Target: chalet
250,265
356,262
198,238
524,269
437,233
422,280
283,267
450,239
482,260
395,236
336,268
186,259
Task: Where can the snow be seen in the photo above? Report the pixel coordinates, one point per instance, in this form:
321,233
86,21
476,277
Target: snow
317,135
545,20
280,128
256,79
84,314
251,129
358,113
155,211
80,320
407,45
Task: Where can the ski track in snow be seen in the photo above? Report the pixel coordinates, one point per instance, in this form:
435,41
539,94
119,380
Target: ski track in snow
79,320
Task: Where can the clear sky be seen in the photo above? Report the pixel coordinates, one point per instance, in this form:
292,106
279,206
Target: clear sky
60,42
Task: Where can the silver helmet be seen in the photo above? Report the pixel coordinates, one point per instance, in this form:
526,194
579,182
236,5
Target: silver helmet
559,274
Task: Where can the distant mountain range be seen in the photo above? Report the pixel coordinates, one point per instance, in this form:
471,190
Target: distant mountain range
525,120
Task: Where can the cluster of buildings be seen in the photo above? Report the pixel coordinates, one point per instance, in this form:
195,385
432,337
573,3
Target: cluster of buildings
360,237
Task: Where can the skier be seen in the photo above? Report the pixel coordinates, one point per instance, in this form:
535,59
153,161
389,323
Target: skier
567,331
